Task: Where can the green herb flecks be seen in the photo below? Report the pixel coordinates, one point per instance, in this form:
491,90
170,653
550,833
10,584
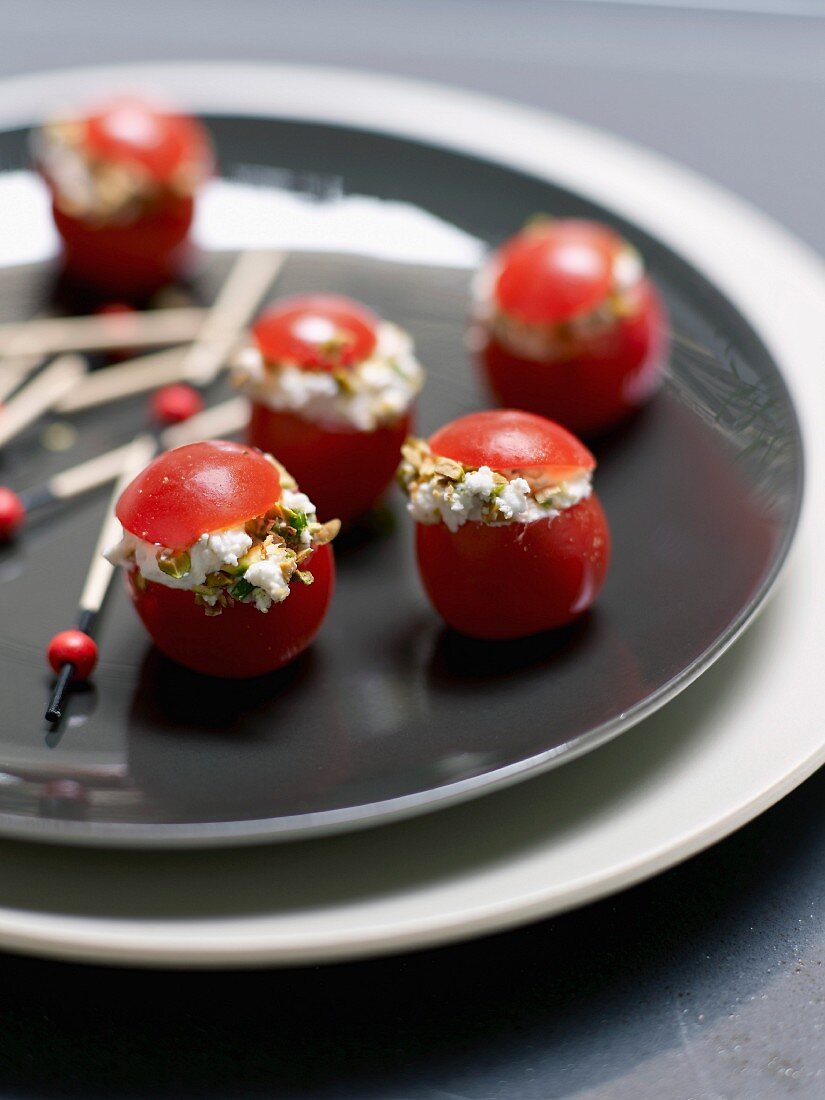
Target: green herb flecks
241,589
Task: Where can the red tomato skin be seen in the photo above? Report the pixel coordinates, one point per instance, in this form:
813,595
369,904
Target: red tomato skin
167,141
507,439
197,488
129,260
342,470
241,642
616,373
508,582
537,281
278,338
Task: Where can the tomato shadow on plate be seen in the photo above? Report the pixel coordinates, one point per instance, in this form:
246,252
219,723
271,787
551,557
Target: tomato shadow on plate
178,699
202,749
534,693
365,533
456,655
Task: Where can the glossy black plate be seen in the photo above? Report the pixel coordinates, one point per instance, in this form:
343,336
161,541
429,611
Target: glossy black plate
390,714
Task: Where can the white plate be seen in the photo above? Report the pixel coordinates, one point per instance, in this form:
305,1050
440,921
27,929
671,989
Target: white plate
735,742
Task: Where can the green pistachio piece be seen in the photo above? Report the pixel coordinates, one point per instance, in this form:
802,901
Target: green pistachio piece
174,565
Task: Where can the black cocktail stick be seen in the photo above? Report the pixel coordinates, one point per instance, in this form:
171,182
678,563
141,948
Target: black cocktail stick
73,653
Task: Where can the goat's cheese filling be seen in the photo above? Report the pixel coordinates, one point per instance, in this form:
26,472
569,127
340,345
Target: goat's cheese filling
255,563
103,192
440,490
564,340
365,396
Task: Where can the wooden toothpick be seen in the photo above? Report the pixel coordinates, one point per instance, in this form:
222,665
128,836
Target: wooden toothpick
102,331
138,375
39,395
15,371
248,281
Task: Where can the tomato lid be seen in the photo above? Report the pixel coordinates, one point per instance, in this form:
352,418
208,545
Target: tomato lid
555,270
198,488
132,131
317,332
508,439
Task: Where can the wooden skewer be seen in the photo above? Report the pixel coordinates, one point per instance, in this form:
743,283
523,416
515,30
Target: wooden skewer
100,332
248,281
39,395
13,372
221,420
77,480
99,576
138,375
251,276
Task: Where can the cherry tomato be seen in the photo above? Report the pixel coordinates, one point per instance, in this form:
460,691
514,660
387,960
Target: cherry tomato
132,131
316,332
133,258
509,439
241,641
343,471
555,270
549,275
613,373
197,488
515,579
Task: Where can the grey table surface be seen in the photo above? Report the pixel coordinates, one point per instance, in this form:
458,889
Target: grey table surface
705,983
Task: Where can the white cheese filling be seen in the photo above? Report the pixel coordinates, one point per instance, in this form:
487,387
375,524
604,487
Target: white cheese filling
433,501
211,552
376,392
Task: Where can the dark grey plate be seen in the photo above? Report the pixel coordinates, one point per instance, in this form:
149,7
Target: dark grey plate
390,714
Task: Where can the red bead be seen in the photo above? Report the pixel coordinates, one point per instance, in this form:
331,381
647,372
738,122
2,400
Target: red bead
73,647
174,404
12,513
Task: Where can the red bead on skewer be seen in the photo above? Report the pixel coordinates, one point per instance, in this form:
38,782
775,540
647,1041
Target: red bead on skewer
174,404
75,648
12,513
73,653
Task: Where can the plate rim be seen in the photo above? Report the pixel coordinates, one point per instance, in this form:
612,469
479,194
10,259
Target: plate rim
779,302
24,99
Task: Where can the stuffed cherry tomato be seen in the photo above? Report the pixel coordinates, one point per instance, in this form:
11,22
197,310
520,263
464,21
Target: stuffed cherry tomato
123,180
569,326
332,391
226,563
511,540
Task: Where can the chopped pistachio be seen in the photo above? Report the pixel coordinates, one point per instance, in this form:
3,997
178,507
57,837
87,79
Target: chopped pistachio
446,467
173,564
323,533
